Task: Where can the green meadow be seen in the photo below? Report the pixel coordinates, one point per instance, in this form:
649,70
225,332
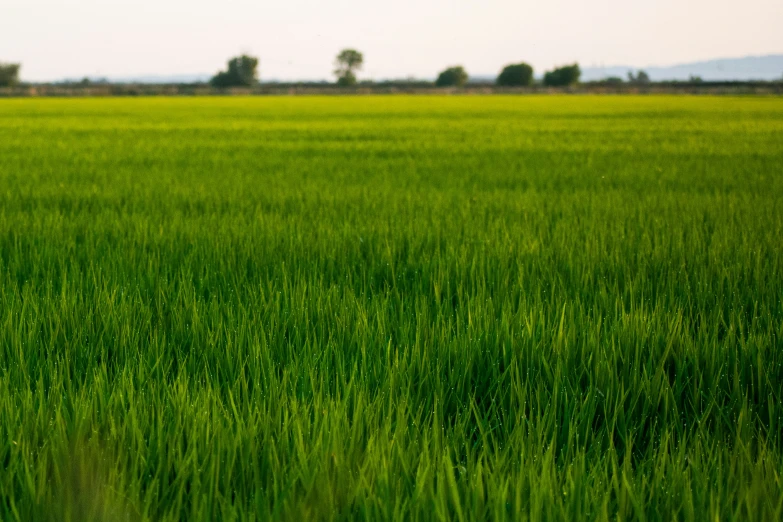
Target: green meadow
391,308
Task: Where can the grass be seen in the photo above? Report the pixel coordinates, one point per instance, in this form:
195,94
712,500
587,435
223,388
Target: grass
391,308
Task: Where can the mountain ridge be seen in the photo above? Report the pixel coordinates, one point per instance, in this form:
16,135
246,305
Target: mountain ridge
764,67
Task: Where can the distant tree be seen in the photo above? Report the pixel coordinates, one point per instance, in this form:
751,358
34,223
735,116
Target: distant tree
695,79
346,64
516,75
613,80
242,72
641,77
452,77
9,74
563,76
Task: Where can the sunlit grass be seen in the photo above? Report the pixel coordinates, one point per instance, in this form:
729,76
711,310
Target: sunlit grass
434,308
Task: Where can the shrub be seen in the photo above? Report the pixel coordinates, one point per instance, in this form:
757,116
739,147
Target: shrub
242,72
9,74
563,76
452,77
516,75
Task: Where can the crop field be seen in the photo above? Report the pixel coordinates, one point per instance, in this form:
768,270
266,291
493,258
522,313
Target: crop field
391,308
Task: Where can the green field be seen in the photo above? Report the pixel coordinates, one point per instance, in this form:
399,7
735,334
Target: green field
391,308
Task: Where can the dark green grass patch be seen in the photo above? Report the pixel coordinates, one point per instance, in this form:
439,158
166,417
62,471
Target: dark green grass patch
400,308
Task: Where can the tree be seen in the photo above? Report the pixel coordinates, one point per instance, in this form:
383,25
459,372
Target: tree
516,75
452,77
346,64
641,77
563,76
9,74
242,72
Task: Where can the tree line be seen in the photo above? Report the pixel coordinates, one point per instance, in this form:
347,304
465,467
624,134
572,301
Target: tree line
242,71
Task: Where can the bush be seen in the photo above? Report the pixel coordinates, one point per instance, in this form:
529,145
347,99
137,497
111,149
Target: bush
516,75
452,77
563,76
9,74
641,77
242,72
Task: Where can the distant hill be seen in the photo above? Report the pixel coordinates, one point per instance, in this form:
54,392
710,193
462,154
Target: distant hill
726,69
150,79
160,79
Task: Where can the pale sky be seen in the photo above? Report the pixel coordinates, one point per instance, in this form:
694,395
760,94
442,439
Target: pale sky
298,39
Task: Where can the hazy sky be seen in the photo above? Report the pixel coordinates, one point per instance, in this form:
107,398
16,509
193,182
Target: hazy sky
298,39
